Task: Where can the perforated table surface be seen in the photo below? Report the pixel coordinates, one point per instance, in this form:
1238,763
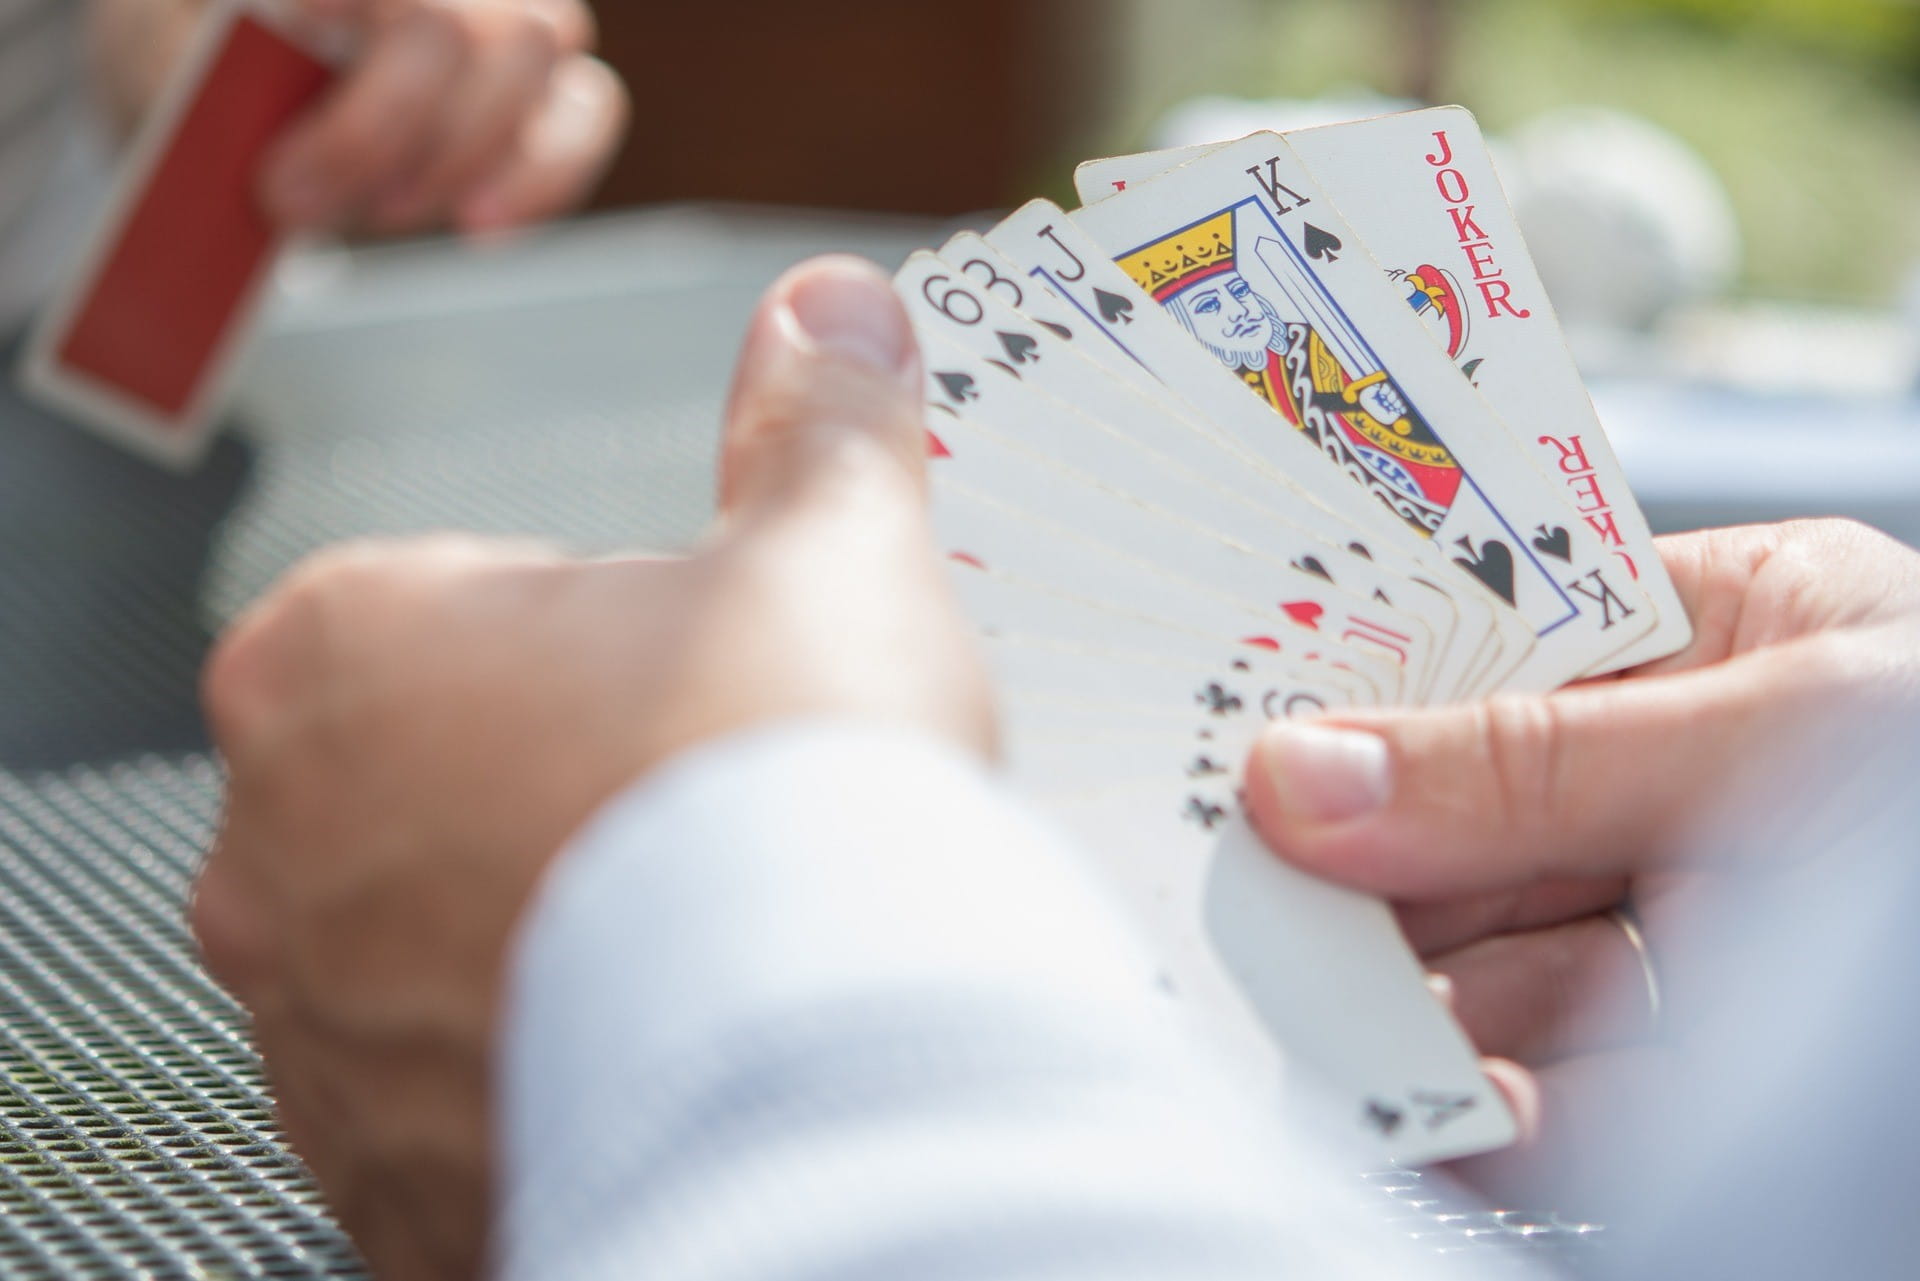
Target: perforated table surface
568,388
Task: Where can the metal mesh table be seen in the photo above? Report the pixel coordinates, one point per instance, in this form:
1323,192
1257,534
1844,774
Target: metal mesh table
568,388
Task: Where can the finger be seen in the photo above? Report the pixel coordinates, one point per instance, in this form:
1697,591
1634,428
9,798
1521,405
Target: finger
1442,925
1552,993
360,140
1589,782
825,414
479,125
1521,1090
572,21
559,156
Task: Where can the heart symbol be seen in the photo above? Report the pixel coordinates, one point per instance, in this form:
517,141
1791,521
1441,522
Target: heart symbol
967,558
1262,642
1493,566
1304,612
937,448
1556,542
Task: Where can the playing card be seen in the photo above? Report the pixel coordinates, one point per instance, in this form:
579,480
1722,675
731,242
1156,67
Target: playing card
1055,254
1248,254
1023,381
1040,641
1322,971
1422,191
141,342
1199,462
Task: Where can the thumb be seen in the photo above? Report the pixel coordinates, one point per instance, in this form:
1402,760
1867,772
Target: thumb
1592,781
825,415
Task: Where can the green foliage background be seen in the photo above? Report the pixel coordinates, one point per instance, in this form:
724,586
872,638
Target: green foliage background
1808,109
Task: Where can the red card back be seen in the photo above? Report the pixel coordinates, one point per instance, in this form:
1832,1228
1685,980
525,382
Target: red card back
191,249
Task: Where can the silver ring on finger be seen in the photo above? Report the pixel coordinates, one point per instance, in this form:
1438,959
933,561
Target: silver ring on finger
1629,923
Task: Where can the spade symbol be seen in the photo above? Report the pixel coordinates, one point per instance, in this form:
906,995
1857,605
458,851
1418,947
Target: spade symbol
1059,331
1114,309
1323,245
959,387
1472,367
1492,565
1312,565
1555,542
1219,700
1019,347
1205,767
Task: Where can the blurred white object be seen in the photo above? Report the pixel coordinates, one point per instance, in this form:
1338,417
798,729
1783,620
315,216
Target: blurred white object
1217,119
1626,222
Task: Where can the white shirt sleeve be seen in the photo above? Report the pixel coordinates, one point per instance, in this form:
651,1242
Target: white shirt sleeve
823,1002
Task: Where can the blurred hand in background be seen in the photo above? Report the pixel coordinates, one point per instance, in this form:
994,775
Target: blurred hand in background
481,115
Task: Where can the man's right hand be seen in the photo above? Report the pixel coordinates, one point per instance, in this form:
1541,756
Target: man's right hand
413,731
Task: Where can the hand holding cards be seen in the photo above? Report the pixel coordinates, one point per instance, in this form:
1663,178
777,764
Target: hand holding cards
308,116
1278,427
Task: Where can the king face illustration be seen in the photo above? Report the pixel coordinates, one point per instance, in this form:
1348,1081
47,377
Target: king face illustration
1360,420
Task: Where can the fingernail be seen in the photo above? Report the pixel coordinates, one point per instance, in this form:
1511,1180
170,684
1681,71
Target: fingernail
851,311
1325,775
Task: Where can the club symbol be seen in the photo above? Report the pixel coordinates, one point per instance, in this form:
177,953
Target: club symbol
1219,700
1205,767
1204,812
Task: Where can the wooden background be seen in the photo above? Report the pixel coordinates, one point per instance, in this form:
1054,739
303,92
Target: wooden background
923,106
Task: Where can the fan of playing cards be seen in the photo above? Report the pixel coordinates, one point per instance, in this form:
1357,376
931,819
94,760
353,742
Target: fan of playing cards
1268,429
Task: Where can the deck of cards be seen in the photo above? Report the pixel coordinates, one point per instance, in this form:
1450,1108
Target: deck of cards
142,342
1270,429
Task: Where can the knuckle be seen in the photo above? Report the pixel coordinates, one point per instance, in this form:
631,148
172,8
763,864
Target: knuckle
1521,741
576,25
225,930
454,26
354,141
535,38
263,661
